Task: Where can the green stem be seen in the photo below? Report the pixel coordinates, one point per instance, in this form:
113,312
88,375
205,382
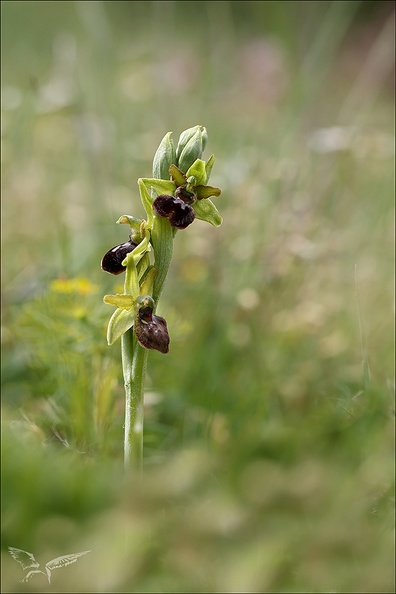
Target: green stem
134,363
134,356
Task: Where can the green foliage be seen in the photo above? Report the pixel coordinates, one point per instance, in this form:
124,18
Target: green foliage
268,431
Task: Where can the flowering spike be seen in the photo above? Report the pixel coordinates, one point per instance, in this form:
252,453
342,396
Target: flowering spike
172,199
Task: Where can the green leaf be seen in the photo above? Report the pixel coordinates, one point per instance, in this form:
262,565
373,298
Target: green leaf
119,323
164,157
198,170
162,240
205,210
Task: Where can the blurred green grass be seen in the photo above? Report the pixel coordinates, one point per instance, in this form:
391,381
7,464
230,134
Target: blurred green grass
268,435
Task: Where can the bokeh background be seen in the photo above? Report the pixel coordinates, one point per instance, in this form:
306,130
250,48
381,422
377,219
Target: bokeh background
268,430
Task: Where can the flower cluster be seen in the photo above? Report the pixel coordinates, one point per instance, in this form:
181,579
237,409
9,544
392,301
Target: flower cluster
178,208
172,199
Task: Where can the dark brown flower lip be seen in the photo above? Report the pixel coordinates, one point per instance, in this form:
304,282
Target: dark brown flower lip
111,261
180,214
151,331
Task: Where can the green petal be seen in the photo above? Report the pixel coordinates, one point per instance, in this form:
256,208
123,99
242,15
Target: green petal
205,210
119,300
206,192
130,220
140,250
119,323
178,176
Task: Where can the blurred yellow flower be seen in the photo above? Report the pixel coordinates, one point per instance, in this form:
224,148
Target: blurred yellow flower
78,285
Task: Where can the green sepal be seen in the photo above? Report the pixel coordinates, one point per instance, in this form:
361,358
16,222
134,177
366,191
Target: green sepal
205,210
161,186
120,322
198,170
120,300
164,157
147,203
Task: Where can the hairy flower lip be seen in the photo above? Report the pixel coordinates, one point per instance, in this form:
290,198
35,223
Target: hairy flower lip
152,331
179,213
112,260
164,205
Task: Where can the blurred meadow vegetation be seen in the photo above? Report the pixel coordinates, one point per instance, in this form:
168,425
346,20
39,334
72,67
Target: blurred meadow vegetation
269,425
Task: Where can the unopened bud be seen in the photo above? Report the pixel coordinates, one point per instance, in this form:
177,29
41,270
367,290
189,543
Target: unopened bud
191,145
164,157
187,135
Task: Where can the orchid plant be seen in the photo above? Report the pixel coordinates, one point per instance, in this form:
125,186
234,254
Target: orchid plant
173,198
